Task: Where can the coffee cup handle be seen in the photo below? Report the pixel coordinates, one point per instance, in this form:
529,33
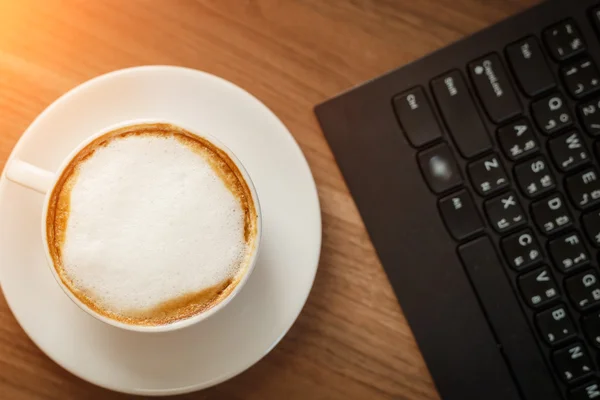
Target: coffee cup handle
30,176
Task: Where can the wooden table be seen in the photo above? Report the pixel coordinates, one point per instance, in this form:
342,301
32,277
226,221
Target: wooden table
351,341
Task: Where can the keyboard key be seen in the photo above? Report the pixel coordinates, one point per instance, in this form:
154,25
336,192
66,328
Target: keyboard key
591,327
534,176
530,66
568,252
439,168
564,40
505,317
505,212
538,287
460,215
584,289
555,325
551,113
573,362
591,225
584,188
595,16
494,89
416,117
517,139
458,110
568,151
589,391
589,112
581,78
522,250
551,214
488,175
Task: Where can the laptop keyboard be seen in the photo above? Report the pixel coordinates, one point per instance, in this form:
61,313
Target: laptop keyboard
548,233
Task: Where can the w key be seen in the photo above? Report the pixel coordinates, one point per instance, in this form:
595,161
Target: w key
494,89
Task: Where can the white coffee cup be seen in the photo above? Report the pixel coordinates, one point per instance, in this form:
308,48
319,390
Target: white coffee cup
43,181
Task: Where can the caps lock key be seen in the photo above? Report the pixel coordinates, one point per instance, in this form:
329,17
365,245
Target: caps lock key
494,89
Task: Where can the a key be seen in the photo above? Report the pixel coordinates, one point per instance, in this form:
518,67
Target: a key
460,215
416,117
568,252
505,212
584,188
530,66
487,175
494,89
581,78
591,225
573,362
439,168
460,114
517,139
591,327
584,289
589,113
568,151
551,113
555,325
534,176
589,391
564,40
522,250
538,287
551,214
505,316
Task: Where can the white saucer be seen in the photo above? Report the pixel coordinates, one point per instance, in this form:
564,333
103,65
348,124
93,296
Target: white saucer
228,342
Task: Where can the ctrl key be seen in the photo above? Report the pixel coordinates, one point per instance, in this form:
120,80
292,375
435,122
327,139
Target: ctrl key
460,215
439,168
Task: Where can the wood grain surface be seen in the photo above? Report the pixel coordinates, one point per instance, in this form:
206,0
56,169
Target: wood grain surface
351,341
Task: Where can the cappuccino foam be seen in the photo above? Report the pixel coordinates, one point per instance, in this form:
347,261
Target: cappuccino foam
151,225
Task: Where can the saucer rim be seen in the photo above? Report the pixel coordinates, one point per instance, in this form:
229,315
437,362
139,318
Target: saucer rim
90,85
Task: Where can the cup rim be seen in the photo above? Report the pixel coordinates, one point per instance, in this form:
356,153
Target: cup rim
179,324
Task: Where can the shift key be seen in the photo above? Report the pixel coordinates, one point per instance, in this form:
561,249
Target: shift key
459,112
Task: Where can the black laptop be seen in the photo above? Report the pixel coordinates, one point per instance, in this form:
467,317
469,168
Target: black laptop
476,171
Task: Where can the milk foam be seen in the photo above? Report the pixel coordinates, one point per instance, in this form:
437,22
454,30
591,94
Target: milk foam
150,221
